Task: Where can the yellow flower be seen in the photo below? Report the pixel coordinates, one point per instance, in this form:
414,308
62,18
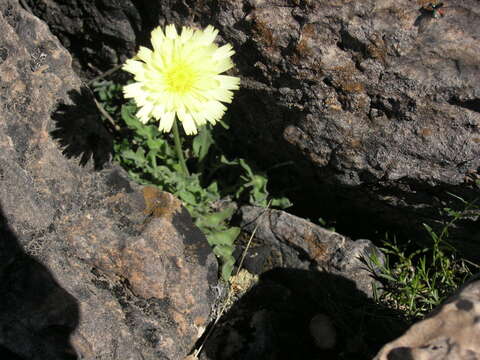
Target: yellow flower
181,78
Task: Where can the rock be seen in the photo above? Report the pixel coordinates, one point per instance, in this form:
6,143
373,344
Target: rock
312,299
451,332
378,104
278,319
91,265
323,332
297,243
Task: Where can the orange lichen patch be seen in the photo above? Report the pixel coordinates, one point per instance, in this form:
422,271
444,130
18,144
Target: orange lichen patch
355,143
309,30
343,78
476,140
118,197
307,34
348,69
423,3
200,320
352,86
264,33
346,80
302,47
335,107
316,250
159,203
426,132
377,49
182,325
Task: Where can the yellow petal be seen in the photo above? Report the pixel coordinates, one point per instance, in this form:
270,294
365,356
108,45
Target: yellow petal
187,122
228,82
144,113
186,35
157,38
166,122
171,32
133,66
145,54
132,90
226,51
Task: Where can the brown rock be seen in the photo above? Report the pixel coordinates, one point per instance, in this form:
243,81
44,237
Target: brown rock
90,266
451,332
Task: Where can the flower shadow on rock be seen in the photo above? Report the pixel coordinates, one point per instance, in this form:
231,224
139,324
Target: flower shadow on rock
37,316
80,131
272,320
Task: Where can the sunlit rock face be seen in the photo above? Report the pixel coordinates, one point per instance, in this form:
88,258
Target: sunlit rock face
85,270
451,332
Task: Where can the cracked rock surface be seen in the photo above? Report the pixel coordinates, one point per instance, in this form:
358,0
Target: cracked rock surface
377,102
296,243
85,270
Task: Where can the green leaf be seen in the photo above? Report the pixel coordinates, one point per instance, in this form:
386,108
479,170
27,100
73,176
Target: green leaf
127,115
246,167
225,238
202,142
138,157
281,203
215,219
213,188
225,161
187,196
223,251
227,268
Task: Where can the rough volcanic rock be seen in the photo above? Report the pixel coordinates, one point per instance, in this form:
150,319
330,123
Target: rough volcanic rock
91,266
451,332
293,242
378,102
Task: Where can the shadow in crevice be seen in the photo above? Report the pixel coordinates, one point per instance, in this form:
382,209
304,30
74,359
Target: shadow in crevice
80,130
37,316
258,128
271,322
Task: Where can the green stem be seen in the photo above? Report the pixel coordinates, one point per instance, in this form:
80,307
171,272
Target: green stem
178,148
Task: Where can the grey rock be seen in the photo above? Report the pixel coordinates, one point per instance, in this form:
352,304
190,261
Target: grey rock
312,299
451,332
297,243
86,269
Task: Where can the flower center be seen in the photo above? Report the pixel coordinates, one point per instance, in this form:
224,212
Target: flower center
180,78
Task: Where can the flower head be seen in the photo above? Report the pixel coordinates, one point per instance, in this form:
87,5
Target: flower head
181,78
